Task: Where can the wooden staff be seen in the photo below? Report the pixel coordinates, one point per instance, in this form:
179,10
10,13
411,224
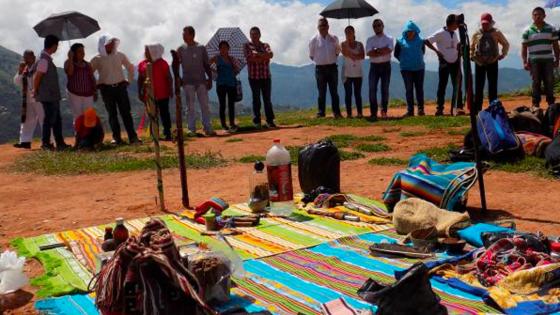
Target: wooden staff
179,121
152,111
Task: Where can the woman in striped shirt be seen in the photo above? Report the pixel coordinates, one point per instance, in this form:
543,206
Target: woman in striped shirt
81,82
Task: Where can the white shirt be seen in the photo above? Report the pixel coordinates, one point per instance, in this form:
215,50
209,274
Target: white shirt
379,41
353,68
324,50
446,44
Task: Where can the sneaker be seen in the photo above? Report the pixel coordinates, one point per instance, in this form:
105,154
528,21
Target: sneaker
409,114
271,124
421,113
47,147
233,129
337,116
225,127
319,115
373,118
62,147
117,142
210,133
384,114
191,134
258,126
23,145
135,141
439,112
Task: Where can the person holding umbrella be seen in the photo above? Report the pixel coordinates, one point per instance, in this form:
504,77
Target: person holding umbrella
324,49
32,110
486,54
47,91
226,84
81,82
258,55
109,64
409,51
196,80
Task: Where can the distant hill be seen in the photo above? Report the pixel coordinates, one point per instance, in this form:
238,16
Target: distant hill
292,87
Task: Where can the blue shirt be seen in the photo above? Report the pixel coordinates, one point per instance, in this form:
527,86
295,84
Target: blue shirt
226,73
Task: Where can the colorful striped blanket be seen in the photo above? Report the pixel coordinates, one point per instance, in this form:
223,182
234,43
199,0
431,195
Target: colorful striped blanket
68,270
300,281
443,185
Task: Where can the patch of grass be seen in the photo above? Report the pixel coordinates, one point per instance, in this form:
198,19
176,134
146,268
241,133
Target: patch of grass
388,161
529,164
439,154
350,155
410,134
76,163
342,140
294,153
251,158
373,147
232,140
373,138
397,102
458,132
430,122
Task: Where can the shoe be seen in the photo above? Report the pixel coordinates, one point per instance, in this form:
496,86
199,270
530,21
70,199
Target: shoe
62,147
384,114
421,113
461,112
191,134
373,118
117,142
439,112
167,138
360,116
271,124
210,133
135,141
414,284
319,115
23,145
258,126
337,116
409,114
233,129
225,127
47,147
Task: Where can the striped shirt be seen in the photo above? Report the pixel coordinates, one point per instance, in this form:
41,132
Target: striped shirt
81,82
539,42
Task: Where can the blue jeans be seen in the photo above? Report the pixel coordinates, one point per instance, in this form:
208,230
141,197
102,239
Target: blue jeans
356,85
543,71
53,121
414,81
327,75
379,72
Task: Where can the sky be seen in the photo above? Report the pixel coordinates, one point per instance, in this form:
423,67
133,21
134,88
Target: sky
287,25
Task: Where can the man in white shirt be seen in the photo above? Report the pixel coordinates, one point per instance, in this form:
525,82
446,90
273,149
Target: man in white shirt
324,49
109,64
379,48
447,42
32,112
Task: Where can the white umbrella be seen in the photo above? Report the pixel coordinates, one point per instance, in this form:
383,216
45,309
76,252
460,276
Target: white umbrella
236,40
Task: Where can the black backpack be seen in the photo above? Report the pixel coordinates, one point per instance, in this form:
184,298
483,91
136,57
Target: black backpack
552,156
552,120
487,50
524,118
319,166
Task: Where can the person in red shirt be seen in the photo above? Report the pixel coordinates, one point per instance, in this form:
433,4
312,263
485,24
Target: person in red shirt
89,130
161,82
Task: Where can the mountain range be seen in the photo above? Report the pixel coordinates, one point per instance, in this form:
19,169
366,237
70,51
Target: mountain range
293,87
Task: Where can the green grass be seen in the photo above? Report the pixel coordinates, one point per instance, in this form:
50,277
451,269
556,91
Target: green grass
439,154
458,132
77,163
529,164
373,147
342,140
397,102
232,140
251,158
294,153
388,161
373,138
430,122
350,155
410,134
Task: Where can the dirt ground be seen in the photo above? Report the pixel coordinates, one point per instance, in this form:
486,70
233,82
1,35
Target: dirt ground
33,205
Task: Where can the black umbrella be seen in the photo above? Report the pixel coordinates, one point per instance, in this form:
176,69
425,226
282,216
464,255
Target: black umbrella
67,26
348,9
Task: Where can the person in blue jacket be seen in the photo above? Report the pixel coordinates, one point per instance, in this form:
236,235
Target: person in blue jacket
409,51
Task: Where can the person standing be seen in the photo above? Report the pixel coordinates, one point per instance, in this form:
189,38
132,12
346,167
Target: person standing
162,84
354,53
409,51
81,82
197,80
47,91
447,41
226,84
258,56
485,52
34,114
109,64
324,49
379,48
540,54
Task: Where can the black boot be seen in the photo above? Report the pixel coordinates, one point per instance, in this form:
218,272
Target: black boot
410,295
23,145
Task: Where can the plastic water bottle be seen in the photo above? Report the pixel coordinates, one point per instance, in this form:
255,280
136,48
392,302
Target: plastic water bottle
279,171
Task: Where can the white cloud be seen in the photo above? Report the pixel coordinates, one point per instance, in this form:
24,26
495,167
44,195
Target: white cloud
286,25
